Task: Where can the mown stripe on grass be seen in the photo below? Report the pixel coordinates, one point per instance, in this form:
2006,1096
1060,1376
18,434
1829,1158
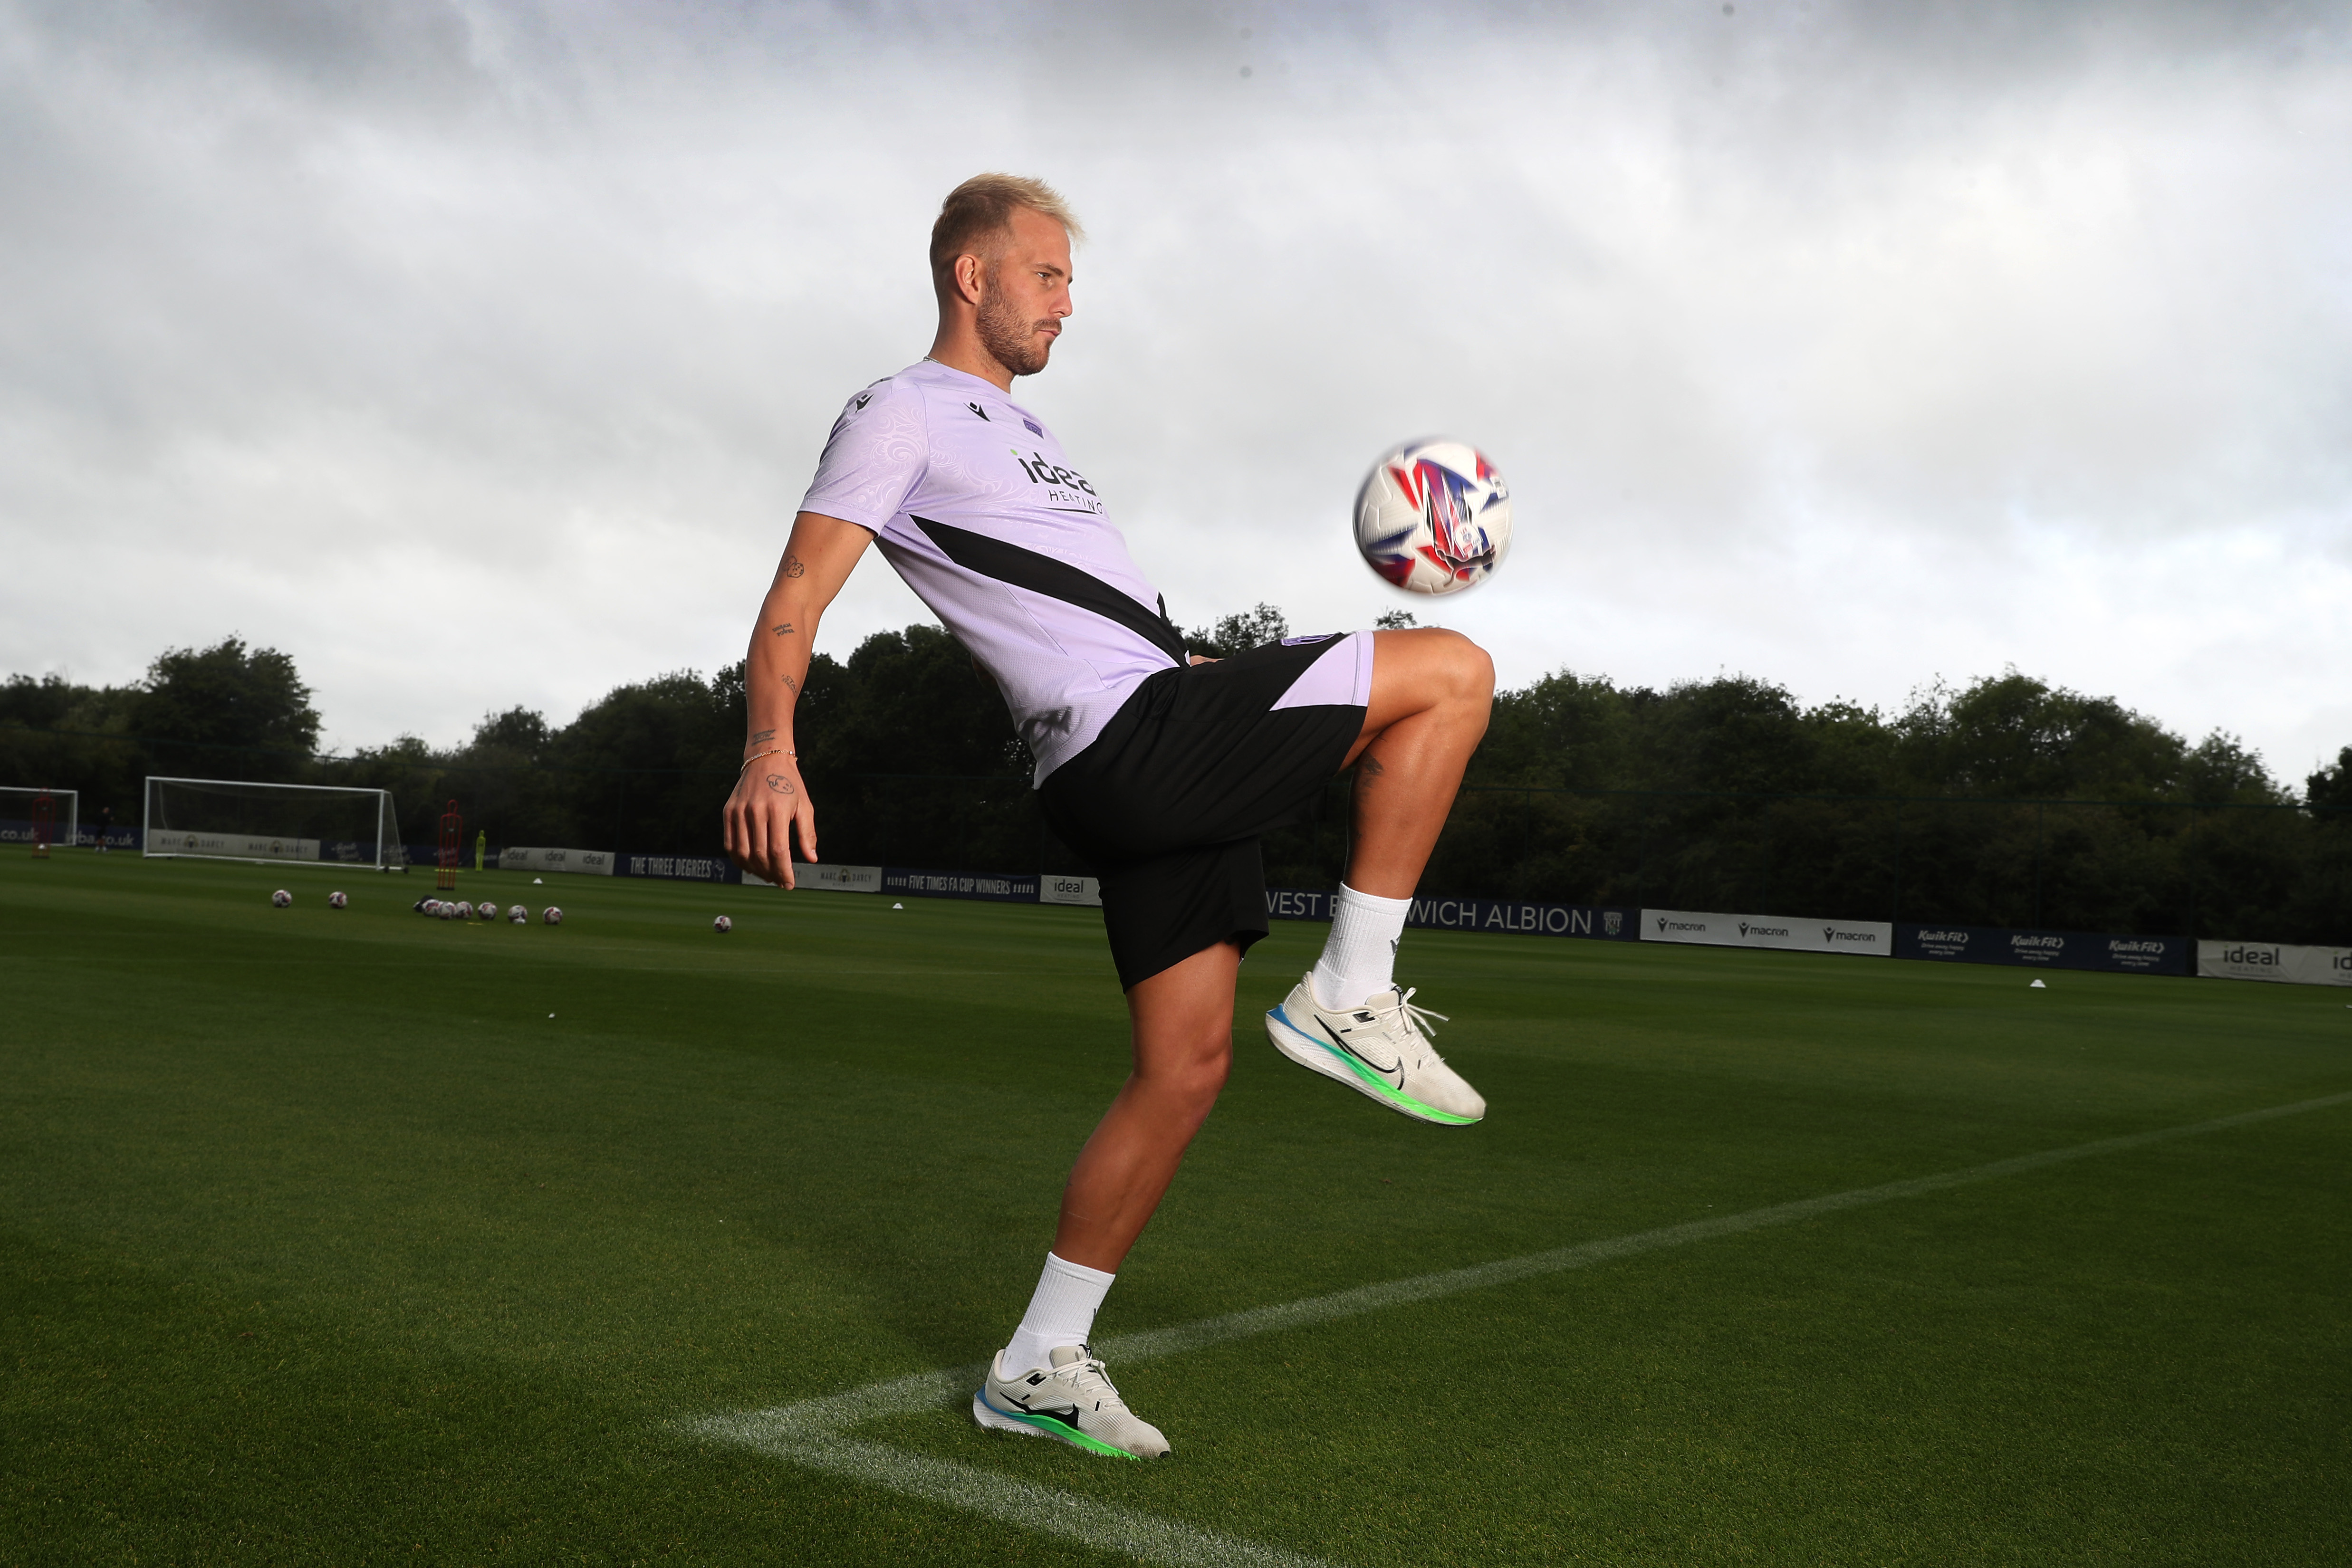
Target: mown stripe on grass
807,1432
1104,1526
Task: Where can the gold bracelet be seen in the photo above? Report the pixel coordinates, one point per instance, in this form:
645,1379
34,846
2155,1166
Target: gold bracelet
779,751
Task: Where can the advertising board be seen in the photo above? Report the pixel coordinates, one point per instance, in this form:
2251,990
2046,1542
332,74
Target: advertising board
2044,949
232,846
1783,932
1475,915
1004,887
823,876
675,868
2279,962
588,862
1056,888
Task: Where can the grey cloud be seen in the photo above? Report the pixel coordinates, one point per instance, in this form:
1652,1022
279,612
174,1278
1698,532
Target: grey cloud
476,353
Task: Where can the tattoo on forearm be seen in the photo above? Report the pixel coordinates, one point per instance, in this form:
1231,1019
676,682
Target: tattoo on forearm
780,784
783,629
790,684
765,735
793,567
1371,764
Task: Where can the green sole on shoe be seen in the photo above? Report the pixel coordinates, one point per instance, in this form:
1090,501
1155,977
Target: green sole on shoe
1022,1424
1300,1045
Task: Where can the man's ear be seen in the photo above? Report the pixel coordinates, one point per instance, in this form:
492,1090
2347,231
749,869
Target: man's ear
969,279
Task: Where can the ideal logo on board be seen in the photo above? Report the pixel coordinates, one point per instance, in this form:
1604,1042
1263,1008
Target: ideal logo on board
2282,962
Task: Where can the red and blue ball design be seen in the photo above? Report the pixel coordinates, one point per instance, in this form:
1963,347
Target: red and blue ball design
1434,516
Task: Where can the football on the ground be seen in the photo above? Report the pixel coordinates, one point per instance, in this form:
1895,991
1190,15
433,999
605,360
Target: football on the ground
518,915
281,898
449,910
337,900
1434,516
722,925
486,909
426,906
553,917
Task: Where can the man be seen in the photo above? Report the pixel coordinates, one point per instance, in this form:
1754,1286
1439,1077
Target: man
1162,769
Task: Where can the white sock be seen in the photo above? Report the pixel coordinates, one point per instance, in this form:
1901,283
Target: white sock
1359,956
1061,1313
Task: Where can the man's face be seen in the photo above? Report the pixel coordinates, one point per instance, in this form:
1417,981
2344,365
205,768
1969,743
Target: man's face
1024,293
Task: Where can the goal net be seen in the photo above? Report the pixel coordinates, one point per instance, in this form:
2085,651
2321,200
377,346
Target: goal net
34,816
237,820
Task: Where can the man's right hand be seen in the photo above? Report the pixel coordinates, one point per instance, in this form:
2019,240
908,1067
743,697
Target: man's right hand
769,797
768,801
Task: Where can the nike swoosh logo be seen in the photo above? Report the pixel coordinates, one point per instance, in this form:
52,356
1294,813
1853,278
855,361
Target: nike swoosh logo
1067,1412
1015,1405
1383,1072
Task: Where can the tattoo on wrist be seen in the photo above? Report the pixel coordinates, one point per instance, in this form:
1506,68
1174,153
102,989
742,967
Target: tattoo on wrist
782,629
780,784
793,567
762,736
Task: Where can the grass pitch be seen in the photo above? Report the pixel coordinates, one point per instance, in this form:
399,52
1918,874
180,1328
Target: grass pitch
321,1241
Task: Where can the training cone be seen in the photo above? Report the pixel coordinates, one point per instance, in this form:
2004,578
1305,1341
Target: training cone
2037,985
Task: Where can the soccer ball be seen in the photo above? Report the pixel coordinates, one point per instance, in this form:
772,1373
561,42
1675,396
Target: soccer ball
337,900
553,917
518,915
281,898
1434,516
486,910
429,907
447,910
722,925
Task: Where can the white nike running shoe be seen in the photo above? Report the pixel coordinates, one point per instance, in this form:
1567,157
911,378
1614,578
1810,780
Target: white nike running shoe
1071,1400
1377,1048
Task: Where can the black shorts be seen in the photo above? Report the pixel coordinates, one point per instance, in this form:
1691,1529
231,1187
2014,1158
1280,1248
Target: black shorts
1168,800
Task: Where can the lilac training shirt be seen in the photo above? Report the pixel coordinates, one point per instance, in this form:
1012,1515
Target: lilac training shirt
977,507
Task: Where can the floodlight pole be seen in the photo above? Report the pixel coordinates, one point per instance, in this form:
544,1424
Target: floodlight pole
1895,903
2037,865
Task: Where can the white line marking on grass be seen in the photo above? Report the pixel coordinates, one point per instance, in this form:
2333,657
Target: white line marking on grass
809,1433
1106,1526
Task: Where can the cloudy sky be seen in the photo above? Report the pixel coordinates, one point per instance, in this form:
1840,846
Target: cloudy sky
476,353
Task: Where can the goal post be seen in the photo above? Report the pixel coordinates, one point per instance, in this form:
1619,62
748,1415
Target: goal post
246,820
38,817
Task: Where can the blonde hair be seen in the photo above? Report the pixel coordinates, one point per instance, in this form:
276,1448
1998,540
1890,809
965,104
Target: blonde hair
983,206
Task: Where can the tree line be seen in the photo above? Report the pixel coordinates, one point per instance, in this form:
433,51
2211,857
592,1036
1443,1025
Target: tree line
2005,800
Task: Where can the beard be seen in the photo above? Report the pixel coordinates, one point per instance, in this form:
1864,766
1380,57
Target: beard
1012,342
